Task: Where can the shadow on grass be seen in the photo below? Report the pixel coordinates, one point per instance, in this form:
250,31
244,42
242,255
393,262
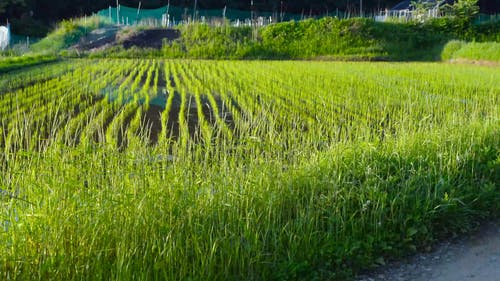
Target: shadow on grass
368,204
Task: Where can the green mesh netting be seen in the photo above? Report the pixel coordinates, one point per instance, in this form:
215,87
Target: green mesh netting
129,15
484,18
23,39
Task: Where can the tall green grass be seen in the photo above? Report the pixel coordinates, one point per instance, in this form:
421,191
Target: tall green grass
329,169
325,38
100,214
12,63
68,33
488,51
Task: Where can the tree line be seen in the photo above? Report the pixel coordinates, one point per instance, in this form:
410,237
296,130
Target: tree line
55,10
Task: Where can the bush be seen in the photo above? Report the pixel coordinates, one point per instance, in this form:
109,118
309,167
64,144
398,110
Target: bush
323,37
203,41
120,52
329,38
451,48
13,63
485,32
489,51
68,33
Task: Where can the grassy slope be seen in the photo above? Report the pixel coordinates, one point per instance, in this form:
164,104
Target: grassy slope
488,51
353,39
67,34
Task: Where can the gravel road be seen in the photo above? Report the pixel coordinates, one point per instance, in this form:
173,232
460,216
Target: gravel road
472,258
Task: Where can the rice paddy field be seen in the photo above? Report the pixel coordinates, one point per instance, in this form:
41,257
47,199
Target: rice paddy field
249,170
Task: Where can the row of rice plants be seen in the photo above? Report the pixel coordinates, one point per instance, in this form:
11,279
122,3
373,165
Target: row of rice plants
102,87
323,169
22,78
129,100
38,108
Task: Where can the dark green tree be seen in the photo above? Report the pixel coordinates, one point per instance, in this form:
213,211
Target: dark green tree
54,10
465,10
12,7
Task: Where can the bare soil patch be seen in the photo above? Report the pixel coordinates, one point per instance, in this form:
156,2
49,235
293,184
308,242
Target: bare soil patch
104,38
98,39
150,38
476,62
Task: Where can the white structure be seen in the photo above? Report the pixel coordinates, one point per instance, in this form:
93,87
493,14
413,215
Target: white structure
406,15
409,10
4,37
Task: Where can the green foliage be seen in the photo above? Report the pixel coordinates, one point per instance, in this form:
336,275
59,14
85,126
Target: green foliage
12,63
222,170
451,48
326,38
29,27
317,38
203,41
486,32
465,10
10,3
409,41
68,33
489,51
120,52
421,8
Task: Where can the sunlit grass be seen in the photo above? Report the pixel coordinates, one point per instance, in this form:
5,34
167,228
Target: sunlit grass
305,170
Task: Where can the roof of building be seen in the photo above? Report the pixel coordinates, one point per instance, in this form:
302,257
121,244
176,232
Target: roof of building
408,5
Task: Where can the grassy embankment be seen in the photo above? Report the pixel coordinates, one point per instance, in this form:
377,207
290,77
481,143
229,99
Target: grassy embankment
49,49
473,51
327,38
68,33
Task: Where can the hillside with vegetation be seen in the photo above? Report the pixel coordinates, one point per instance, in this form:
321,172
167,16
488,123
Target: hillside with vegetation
326,39
35,18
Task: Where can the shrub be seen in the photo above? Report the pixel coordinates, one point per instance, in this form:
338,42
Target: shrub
68,33
451,48
489,51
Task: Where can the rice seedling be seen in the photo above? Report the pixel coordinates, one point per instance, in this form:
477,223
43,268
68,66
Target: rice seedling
225,170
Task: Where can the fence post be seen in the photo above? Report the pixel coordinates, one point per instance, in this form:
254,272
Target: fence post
138,12
117,12
194,12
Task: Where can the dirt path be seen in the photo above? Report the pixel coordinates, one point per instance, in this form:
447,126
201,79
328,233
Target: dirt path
472,258
476,62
